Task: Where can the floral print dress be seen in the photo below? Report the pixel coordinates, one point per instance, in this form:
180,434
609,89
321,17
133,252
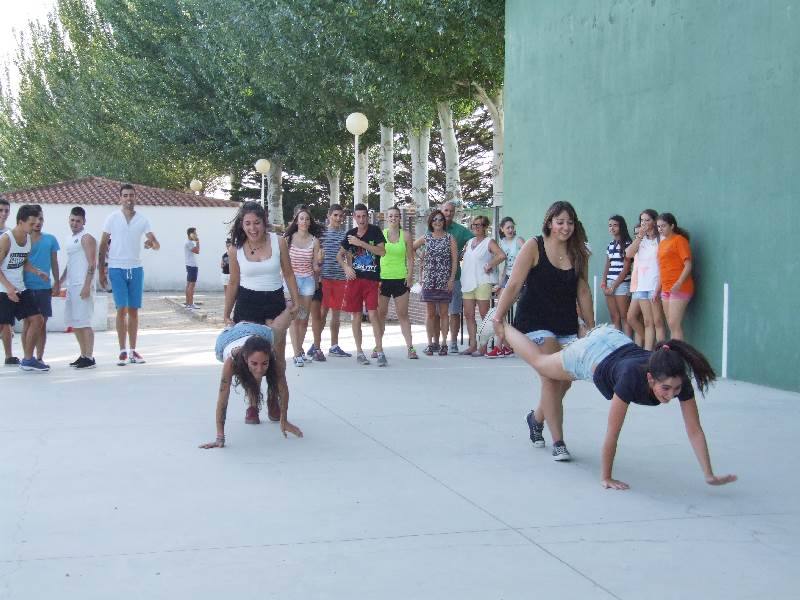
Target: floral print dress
437,265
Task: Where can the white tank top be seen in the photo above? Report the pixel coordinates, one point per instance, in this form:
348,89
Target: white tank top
262,275
15,260
77,265
472,273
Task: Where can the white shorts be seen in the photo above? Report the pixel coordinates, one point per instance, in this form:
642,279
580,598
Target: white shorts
77,311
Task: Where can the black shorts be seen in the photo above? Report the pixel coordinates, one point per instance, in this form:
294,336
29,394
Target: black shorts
393,288
258,307
317,297
191,274
44,301
26,307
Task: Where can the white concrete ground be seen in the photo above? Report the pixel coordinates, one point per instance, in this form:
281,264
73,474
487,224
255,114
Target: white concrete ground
414,481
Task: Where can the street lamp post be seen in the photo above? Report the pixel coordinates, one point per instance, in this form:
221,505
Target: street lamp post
356,124
262,166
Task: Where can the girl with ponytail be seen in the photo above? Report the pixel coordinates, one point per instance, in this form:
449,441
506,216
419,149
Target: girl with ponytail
675,267
625,373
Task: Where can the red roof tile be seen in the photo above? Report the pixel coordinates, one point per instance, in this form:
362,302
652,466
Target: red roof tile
99,190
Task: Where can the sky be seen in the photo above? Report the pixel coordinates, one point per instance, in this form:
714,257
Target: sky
15,16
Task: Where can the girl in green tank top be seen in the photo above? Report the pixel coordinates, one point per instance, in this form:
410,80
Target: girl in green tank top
397,270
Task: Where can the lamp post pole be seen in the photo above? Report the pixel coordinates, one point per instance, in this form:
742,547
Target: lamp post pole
356,124
262,166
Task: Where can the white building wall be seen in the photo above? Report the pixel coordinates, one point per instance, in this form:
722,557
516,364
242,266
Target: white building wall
165,269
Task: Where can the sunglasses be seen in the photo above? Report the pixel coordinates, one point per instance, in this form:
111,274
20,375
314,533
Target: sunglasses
437,220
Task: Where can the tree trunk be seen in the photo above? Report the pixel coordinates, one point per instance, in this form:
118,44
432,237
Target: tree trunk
451,160
363,175
419,141
275,192
386,177
333,176
496,110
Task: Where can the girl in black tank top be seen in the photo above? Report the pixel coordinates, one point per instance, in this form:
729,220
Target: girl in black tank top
549,298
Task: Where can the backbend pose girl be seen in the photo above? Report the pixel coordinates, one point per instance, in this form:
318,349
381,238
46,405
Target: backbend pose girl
644,252
625,373
245,351
302,237
554,268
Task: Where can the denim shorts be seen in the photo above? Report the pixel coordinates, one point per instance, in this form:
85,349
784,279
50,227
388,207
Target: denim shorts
306,286
538,337
456,300
580,358
238,331
651,295
623,289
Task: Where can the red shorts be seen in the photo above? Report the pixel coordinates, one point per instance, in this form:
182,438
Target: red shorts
333,293
361,292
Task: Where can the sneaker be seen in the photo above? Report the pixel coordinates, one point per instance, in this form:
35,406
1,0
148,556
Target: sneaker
136,358
299,362
412,353
508,351
443,350
191,306
496,352
536,429
251,416
12,361
31,364
43,364
76,362
382,362
453,348
560,452
374,353
86,363
362,359
319,355
429,351
123,359
311,351
337,351
435,347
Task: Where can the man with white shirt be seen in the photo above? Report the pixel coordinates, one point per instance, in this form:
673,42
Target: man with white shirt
190,251
78,280
5,330
126,227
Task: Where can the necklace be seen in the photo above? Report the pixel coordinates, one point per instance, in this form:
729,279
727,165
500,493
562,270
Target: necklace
253,250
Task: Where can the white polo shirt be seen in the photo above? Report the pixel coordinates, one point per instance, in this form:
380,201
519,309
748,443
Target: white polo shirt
126,239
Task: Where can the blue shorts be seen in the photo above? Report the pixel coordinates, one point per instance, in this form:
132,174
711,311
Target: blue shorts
127,286
191,274
456,300
538,337
581,356
306,286
623,289
644,295
238,331
44,301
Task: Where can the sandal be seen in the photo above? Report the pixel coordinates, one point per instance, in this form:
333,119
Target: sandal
412,353
428,350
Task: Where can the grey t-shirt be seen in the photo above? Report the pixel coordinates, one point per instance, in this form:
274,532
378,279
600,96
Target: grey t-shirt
191,257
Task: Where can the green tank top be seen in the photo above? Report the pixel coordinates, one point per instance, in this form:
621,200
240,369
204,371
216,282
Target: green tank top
393,264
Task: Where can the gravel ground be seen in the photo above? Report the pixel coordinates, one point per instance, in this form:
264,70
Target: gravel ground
164,310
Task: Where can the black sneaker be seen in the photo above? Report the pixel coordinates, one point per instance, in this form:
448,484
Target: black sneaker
12,361
560,451
536,430
86,363
76,362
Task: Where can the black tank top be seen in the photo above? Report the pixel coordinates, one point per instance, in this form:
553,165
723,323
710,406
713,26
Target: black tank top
549,298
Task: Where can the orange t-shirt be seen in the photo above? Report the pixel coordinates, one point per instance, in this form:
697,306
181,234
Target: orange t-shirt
672,255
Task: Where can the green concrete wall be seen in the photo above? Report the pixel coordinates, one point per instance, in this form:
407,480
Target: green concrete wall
686,106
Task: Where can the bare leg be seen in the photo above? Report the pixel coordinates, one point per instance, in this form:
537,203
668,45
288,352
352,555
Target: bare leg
436,325
635,322
443,309
5,334
658,319
649,327
613,313
455,325
317,323
356,325
133,326
483,308
546,364
431,322
33,326
472,328
190,285
42,340
122,327
675,310
377,329
383,312
622,303
401,306
336,320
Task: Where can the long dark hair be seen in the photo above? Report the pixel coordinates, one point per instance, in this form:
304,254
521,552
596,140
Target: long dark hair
675,358
576,244
670,219
433,214
314,228
624,234
237,234
653,214
244,378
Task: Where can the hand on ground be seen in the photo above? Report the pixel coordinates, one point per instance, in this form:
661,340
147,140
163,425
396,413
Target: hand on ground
717,480
614,484
287,427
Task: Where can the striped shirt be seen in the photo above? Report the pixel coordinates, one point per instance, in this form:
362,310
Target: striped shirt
616,259
331,242
300,258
